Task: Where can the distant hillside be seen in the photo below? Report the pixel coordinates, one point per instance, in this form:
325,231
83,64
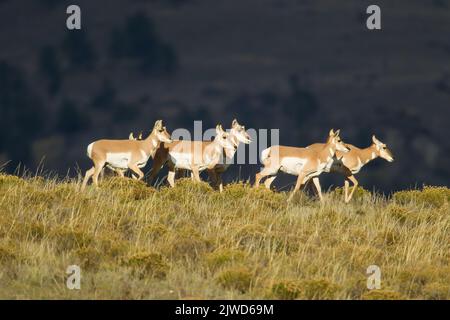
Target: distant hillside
302,66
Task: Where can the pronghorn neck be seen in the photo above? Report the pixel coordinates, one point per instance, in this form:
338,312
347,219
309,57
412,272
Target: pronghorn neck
212,153
368,154
150,144
328,150
230,153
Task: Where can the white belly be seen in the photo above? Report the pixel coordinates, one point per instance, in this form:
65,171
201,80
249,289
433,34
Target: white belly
118,160
292,165
185,161
181,160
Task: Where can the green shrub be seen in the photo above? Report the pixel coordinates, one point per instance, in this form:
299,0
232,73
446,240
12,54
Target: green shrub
221,257
236,278
319,289
127,189
69,239
432,196
148,263
437,291
7,254
287,289
9,180
359,194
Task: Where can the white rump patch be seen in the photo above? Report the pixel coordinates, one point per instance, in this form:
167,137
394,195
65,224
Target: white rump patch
89,150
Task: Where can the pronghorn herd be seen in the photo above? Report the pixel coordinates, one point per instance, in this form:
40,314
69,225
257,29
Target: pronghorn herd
196,156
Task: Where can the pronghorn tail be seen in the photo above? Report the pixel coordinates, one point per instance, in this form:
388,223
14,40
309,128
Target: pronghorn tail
265,154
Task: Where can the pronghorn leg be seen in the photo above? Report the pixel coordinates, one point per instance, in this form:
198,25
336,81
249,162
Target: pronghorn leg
212,174
346,185
355,185
195,174
87,176
154,171
102,174
267,171
269,181
120,173
299,183
137,171
318,188
97,170
159,160
171,178
219,181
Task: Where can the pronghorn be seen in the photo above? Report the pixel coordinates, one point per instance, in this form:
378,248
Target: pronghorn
237,135
194,156
306,163
120,171
124,154
350,163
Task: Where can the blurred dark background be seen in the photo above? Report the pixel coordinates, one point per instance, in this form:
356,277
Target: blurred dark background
301,66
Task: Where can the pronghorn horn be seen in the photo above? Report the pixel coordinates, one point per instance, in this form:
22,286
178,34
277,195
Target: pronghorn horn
131,136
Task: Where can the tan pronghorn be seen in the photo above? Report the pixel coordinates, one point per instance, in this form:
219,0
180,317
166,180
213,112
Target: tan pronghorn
350,163
237,135
119,171
305,163
194,156
124,154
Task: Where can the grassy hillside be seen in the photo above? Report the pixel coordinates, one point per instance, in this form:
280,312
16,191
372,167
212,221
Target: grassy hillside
134,242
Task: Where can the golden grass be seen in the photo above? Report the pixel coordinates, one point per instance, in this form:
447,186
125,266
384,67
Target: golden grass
134,242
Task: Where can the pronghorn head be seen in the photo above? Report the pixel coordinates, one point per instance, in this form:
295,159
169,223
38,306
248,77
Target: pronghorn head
223,139
335,140
160,132
238,131
382,150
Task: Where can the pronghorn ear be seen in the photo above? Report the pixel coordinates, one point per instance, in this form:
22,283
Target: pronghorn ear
234,123
336,134
158,124
218,129
375,140
331,134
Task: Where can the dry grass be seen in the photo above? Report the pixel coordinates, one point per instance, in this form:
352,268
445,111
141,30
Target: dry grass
135,242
